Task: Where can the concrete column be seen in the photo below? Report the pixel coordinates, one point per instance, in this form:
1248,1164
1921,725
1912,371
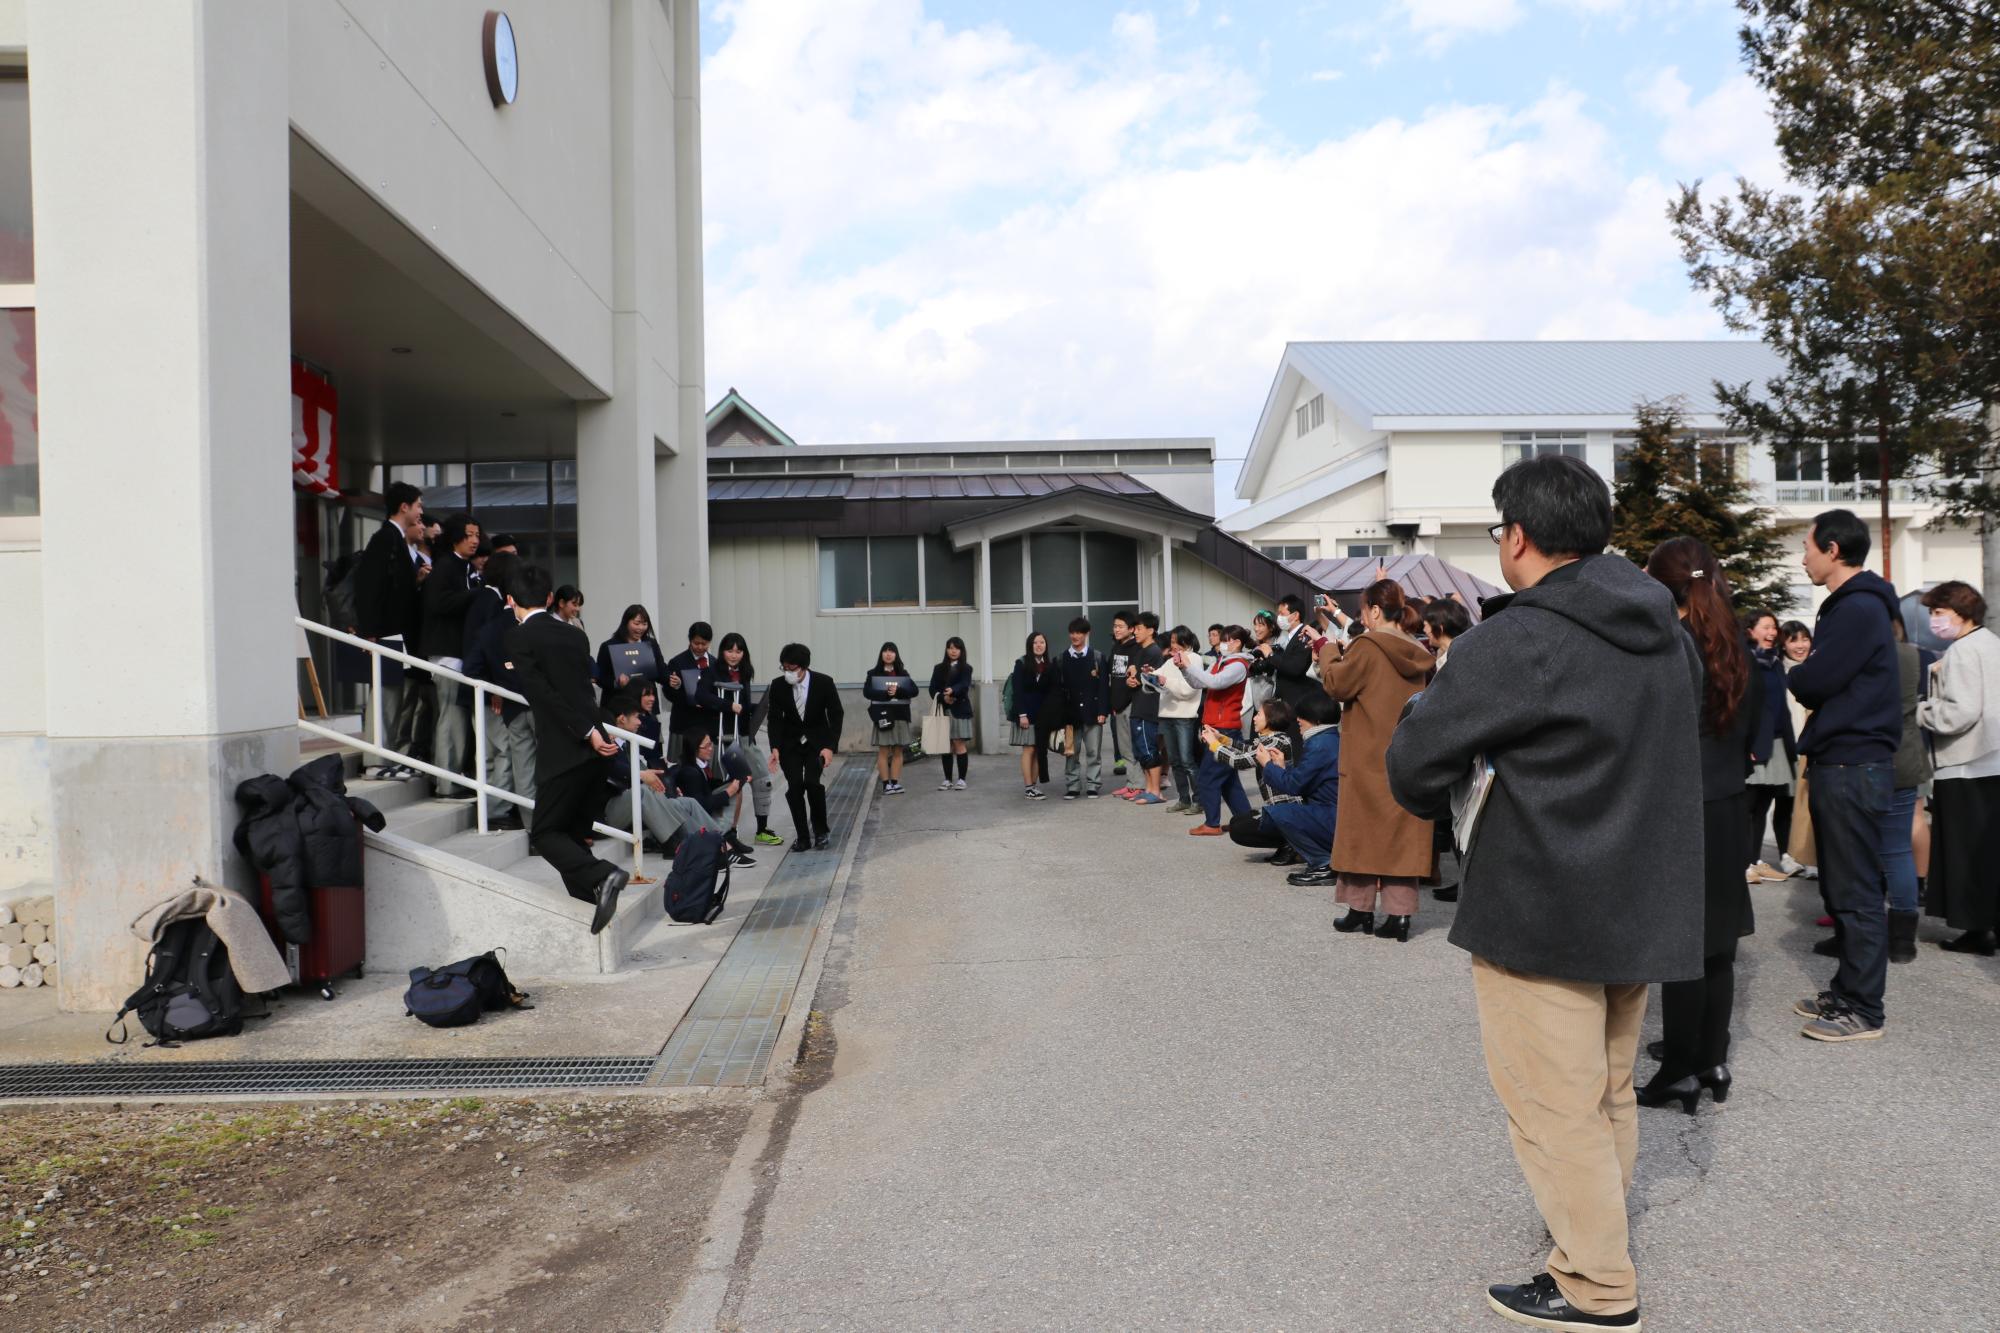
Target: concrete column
162,274
616,500
989,698
1167,618
681,477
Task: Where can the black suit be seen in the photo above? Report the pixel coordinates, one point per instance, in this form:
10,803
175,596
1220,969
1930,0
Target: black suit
552,667
447,597
798,741
385,586
1294,670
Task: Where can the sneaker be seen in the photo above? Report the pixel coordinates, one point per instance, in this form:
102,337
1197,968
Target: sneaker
1037,794
1751,876
1180,808
894,789
1769,873
1539,1303
958,784
1118,769
1808,872
1788,865
743,859
768,839
1840,1024
945,785
1094,793
1069,795
1127,793
1817,1006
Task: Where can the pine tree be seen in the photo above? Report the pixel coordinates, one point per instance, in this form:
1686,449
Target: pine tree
1677,484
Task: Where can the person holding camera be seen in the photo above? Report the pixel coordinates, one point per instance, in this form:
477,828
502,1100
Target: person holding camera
1142,678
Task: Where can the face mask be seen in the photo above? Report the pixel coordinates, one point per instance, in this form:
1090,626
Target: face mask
1943,626
791,676
1285,624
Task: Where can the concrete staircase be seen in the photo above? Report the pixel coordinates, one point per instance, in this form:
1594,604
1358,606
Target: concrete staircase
439,890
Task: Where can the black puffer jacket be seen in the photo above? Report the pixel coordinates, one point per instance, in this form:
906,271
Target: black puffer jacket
303,832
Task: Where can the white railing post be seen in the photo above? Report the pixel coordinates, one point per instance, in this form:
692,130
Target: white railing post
479,751
638,823
375,697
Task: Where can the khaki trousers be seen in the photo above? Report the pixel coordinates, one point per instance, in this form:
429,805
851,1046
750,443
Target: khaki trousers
1560,1055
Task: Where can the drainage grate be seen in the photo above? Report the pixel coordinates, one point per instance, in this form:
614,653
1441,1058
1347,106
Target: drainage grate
727,1036
237,1078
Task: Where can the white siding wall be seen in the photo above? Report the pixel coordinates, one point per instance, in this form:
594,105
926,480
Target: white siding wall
1204,596
1437,472
24,757
1358,513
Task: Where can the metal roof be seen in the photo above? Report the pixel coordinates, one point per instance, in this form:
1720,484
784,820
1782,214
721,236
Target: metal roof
1528,379
1420,575
1002,486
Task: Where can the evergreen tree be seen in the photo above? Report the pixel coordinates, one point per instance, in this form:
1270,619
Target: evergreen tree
1880,287
1677,484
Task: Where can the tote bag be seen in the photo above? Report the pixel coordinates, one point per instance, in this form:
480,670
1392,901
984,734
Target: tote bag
1804,849
937,729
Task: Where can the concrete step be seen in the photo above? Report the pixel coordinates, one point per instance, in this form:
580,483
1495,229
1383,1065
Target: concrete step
388,795
497,850
430,821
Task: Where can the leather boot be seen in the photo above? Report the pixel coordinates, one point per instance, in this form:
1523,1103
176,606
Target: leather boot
1353,921
1902,937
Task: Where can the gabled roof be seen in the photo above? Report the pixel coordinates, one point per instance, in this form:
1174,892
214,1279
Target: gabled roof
1385,386
736,402
1420,575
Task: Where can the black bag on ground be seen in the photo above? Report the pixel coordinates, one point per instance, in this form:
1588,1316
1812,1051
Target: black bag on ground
698,885
458,993
190,991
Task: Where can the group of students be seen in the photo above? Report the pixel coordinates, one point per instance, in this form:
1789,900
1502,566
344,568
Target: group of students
1303,701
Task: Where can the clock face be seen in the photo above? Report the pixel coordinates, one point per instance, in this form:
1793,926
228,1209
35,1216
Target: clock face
503,65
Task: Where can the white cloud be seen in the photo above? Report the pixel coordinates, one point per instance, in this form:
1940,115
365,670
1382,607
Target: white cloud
1729,132
1440,22
930,234
1325,76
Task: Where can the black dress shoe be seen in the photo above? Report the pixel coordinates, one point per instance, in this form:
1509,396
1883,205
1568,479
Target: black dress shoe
1979,942
1447,894
1394,928
608,890
824,842
1657,1049
1830,947
1686,1091
1311,876
1353,921
804,844
1717,1081
1285,856
1540,1304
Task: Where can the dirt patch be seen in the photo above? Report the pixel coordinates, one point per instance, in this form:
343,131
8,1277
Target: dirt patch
462,1213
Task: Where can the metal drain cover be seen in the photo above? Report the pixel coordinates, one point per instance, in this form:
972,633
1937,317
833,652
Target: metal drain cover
237,1078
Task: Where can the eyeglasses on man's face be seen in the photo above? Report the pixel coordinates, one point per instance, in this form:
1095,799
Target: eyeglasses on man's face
1497,531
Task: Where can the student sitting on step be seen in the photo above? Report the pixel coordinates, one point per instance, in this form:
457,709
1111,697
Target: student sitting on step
709,783
662,811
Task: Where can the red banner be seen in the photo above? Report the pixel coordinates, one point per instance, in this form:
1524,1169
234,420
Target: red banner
315,447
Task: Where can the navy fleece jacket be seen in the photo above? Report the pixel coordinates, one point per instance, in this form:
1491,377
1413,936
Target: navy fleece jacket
1851,681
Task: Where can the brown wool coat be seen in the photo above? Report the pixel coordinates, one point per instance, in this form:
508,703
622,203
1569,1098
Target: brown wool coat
1373,835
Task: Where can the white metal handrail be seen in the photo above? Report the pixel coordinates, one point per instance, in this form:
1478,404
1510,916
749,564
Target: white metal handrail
482,789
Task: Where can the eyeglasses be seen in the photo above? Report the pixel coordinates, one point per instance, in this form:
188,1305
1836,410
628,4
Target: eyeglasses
1497,531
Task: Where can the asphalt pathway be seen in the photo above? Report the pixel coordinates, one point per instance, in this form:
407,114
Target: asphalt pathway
1088,1072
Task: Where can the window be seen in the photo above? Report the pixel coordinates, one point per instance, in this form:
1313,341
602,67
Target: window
1519,444
20,450
892,574
1010,585
1294,551
1370,550
1312,414
947,573
1055,566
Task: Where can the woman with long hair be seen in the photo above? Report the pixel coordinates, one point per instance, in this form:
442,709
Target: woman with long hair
889,688
1380,850
951,685
1773,750
618,665
1180,720
1695,1014
1032,686
733,681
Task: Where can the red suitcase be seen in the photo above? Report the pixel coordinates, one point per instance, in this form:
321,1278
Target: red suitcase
339,935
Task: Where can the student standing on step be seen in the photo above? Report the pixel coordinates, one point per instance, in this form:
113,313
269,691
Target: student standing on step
447,597
1035,691
385,600
889,689
742,718
1086,694
1584,879
552,663
510,727
805,718
951,685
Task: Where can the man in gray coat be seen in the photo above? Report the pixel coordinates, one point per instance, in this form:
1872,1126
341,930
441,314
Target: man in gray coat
1584,876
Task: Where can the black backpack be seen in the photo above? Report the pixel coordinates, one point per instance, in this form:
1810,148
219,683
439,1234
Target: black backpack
698,885
458,993
190,990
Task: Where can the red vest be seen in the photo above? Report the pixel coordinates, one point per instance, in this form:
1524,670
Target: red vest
1223,708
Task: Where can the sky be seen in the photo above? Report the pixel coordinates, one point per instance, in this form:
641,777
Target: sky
951,220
